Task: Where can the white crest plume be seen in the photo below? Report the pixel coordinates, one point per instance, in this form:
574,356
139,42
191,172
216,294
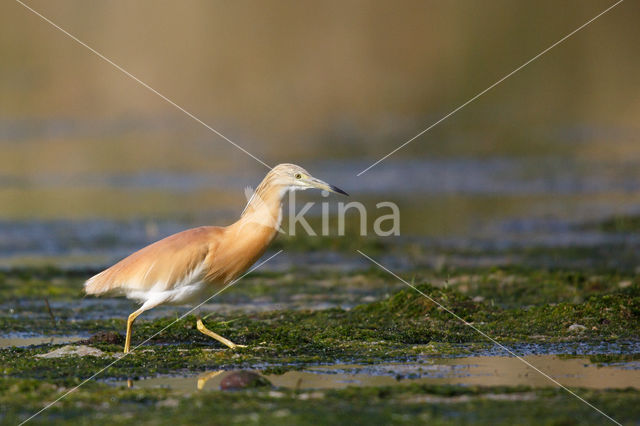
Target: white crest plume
263,216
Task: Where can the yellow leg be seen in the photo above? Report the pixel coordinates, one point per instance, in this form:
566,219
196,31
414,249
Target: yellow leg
130,321
204,378
204,330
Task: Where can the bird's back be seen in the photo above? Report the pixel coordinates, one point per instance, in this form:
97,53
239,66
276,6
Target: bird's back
174,261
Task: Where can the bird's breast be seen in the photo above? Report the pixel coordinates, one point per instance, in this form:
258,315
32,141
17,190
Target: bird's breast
240,252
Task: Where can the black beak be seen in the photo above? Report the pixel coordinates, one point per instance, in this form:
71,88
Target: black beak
338,190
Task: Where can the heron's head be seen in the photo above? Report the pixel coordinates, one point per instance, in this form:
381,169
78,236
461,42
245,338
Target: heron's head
294,178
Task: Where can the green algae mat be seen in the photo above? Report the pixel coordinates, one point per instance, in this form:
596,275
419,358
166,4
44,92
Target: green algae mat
329,347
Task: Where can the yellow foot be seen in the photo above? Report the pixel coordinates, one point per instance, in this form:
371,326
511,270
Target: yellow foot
204,330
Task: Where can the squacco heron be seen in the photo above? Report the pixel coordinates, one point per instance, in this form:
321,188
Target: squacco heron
187,266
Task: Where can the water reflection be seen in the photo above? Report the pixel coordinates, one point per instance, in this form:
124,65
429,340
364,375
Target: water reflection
482,371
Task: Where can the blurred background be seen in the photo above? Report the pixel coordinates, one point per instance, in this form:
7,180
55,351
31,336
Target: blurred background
94,165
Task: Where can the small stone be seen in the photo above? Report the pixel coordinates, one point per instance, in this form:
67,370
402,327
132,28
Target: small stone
625,284
243,380
80,350
577,327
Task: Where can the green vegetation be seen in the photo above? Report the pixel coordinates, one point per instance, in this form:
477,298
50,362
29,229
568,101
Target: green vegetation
401,326
617,224
102,404
506,286
47,281
375,319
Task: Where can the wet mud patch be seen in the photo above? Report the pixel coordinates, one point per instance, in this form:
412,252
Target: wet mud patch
578,371
22,340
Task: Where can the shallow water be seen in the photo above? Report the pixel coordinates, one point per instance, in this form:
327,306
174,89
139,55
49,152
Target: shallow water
482,370
452,202
18,340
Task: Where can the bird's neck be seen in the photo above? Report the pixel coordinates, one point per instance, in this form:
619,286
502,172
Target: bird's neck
248,238
262,216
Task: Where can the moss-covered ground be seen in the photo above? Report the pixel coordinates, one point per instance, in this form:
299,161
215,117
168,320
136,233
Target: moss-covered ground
311,317
97,403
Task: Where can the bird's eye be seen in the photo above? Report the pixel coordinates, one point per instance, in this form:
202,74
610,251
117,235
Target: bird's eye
298,176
